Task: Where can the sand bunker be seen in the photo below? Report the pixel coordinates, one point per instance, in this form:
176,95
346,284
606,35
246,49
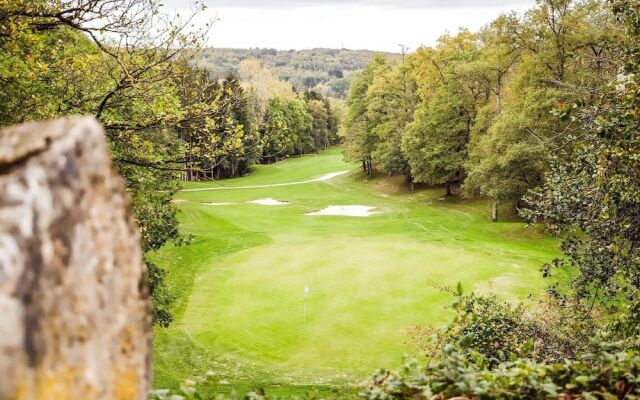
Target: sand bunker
176,201
346,211
269,202
217,204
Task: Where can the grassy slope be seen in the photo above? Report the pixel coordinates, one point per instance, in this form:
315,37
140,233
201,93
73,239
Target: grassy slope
240,285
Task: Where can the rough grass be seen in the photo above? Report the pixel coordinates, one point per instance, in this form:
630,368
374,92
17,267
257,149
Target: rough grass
239,286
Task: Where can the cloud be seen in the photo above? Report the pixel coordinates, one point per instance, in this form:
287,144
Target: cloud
354,24
409,4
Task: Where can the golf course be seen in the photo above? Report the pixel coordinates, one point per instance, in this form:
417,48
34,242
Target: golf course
320,200
243,315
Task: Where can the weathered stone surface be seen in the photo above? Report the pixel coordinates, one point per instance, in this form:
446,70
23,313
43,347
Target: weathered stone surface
73,297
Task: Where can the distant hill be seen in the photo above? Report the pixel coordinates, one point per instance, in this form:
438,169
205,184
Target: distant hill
329,71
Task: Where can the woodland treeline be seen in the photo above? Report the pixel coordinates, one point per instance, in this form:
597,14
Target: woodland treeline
487,111
130,64
253,118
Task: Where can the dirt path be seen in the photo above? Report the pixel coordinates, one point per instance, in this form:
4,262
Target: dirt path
323,178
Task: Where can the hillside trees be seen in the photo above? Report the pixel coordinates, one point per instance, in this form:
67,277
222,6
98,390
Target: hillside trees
491,106
325,119
247,150
380,104
298,127
326,71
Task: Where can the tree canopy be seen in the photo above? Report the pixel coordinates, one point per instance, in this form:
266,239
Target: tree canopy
485,110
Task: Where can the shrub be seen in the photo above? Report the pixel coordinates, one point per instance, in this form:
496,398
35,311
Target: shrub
455,372
501,331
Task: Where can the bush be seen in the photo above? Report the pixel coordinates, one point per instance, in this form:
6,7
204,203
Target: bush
496,350
501,331
455,372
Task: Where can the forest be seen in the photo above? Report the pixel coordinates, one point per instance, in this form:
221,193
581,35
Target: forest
485,112
533,119
327,71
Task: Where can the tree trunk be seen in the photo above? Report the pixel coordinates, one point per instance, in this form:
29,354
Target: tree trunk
74,298
448,189
190,168
494,211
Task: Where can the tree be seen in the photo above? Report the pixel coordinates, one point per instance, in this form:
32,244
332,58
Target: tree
262,84
334,111
359,139
116,60
249,151
391,100
221,137
320,130
562,58
325,120
592,194
435,144
299,126
287,129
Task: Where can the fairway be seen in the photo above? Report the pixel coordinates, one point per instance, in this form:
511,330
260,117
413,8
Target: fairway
240,306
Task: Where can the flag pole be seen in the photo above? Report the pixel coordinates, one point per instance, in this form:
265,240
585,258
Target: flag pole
304,302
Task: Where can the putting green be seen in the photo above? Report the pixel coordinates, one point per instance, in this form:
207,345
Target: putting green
241,310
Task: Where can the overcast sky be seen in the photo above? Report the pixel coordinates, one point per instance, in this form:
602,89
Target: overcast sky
354,24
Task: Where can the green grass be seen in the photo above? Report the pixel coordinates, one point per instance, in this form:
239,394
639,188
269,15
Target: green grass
291,170
239,286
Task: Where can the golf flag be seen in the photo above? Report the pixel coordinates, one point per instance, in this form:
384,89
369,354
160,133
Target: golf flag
306,293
